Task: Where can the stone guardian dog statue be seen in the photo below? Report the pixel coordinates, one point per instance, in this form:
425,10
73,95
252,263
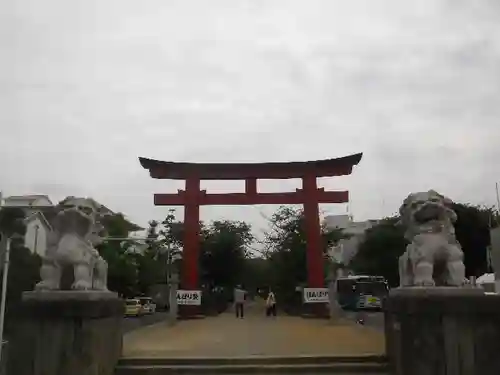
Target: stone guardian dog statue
434,256
71,244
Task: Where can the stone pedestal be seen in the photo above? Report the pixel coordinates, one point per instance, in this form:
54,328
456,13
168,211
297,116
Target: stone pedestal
445,331
67,332
172,298
334,308
189,312
316,310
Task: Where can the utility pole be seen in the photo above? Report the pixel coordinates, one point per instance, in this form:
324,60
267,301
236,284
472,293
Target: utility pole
168,263
4,292
498,196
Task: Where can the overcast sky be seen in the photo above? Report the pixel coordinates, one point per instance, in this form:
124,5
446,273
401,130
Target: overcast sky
88,86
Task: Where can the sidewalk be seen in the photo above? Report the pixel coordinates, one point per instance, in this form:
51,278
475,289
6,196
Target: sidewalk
255,335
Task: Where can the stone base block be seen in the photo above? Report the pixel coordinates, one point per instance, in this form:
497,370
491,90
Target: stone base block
186,312
448,331
315,311
67,332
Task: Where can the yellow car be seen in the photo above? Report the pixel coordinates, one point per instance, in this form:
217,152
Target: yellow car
133,307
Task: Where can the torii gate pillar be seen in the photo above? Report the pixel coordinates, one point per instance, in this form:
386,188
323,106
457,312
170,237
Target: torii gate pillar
191,239
315,271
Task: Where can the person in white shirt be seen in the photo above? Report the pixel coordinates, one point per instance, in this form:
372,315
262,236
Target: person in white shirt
271,304
239,301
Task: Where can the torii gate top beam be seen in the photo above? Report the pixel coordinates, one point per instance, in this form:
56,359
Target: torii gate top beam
242,171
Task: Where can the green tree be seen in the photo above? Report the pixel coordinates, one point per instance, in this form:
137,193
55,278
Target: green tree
473,232
224,250
151,271
257,274
12,226
122,261
24,273
132,267
379,252
153,241
286,250
164,246
223,247
152,260
172,231
171,238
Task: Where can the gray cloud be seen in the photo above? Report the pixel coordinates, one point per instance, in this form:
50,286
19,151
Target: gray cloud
87,86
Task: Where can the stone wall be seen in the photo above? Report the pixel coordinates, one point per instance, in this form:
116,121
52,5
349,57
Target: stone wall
62,333
447,334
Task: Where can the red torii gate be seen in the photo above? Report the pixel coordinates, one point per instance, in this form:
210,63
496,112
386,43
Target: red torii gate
192,198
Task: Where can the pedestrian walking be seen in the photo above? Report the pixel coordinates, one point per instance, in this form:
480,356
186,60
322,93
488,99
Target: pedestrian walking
239,301
271,304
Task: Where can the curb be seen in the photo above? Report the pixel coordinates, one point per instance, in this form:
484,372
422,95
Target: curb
254,360
338,368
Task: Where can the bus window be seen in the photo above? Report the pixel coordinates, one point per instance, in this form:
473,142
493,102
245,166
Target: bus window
354,290
373,288
346,286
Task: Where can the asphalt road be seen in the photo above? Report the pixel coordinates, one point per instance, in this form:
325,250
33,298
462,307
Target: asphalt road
131,323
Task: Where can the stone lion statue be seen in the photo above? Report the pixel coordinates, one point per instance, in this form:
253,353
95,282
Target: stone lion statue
76,230
434,256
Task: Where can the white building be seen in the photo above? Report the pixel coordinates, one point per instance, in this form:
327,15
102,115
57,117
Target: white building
38,210
347,248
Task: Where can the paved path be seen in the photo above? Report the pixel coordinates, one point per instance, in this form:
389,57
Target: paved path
256,334
136,322
372,319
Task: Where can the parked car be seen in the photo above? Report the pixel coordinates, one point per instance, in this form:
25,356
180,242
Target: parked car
133,307
147,305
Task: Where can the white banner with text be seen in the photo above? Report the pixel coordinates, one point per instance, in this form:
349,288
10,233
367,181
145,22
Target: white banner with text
316,295
189,297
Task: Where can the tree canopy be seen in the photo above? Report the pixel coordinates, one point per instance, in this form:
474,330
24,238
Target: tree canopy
223,252
286,246
123,265
379,252
12,225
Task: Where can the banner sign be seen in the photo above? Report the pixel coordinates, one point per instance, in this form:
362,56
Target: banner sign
189,297
316,295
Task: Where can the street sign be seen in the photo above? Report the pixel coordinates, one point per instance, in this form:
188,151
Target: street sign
316,295
189,297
